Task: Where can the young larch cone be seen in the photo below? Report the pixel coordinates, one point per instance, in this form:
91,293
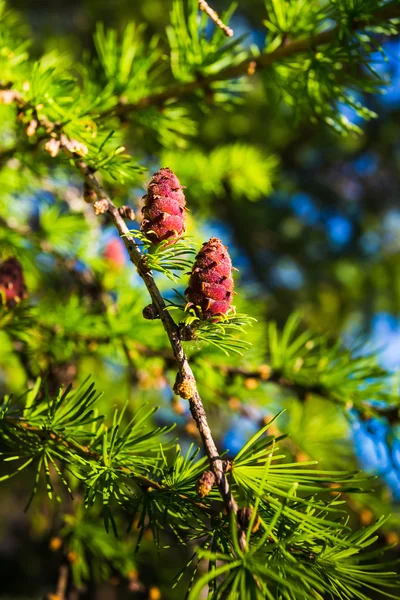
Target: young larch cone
211,284
12,283
164,209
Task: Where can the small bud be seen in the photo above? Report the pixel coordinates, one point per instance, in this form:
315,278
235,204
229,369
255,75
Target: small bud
244,517
154,593
72,557
100,206
73,146
251,383
164,208
264,372
191,429
178,407
234,403
210,289
89,195
252,66
205,483
12,283
187,332
185,387
31,129
133,575
366,516
392,538
150,312
52,147
55,543
302,456
127,213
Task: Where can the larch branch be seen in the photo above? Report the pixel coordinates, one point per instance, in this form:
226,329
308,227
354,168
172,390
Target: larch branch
214,16
185,371
251,64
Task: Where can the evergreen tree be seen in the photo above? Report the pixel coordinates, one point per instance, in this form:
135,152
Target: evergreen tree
107,370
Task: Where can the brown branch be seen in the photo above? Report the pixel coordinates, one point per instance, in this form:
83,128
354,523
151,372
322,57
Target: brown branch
62,582
266,374
210,12
250,64
185,372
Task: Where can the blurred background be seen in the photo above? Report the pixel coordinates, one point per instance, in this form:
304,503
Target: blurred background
316,230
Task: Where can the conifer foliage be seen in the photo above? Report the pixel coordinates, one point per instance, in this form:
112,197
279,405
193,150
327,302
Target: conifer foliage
266,520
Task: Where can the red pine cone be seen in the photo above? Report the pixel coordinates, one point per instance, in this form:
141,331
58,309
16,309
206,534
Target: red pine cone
211,283
12,284
164,208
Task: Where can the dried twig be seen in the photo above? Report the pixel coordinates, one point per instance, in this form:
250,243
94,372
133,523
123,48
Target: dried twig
61,584
214,16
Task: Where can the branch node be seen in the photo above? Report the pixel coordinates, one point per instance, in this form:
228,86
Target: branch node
205,483
185,386
245,516
186,332
100,207
127,212
89,195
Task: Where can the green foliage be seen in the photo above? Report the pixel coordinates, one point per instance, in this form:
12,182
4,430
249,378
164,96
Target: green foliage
226,166
316,84
109,460
300,547
166,257
314,363
128,60
193,53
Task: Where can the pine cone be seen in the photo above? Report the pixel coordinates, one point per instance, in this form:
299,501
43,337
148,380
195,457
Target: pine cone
12,284
211,284
164,209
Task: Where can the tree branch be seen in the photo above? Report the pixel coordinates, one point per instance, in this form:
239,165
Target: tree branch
185,371
250,64
89,454
210,12
62,583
